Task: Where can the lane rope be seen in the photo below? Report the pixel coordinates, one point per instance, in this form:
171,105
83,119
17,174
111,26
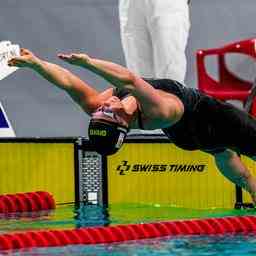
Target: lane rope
26,202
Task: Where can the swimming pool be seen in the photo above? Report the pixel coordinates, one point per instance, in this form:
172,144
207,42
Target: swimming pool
69,217
183,246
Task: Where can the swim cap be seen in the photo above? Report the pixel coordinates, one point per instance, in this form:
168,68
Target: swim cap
106,137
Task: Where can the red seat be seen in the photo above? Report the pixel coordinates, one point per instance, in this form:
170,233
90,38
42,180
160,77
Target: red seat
229,86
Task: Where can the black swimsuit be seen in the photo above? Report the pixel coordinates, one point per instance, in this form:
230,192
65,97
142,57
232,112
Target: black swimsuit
208,124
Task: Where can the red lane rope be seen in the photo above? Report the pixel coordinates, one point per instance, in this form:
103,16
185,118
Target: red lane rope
119,233
26,202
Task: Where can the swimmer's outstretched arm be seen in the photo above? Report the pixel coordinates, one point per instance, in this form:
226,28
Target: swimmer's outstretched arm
151,101
83,94
113,73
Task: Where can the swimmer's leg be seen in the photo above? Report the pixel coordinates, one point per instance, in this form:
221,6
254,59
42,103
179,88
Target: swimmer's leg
231,166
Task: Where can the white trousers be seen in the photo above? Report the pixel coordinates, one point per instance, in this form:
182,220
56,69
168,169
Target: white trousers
154,36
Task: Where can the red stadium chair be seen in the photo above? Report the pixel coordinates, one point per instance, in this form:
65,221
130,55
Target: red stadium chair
228,86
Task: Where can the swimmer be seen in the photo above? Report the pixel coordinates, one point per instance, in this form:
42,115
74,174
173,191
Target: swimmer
189,118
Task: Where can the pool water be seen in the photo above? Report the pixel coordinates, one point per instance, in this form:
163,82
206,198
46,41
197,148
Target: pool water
69,216
227,245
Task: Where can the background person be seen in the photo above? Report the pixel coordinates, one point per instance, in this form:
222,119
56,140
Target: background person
154,36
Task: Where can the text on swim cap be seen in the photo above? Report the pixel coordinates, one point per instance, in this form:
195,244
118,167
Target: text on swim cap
97,132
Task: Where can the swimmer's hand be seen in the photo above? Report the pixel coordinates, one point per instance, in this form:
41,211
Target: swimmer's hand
78,59
26,59
113,73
